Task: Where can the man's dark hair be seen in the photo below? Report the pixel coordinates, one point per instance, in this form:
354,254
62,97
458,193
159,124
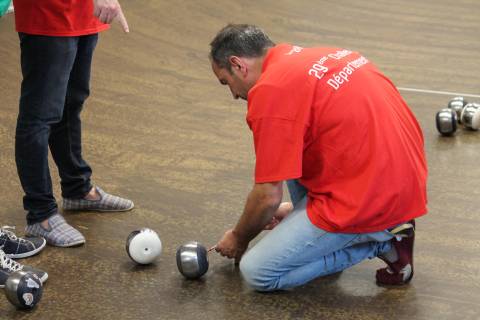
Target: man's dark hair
241,40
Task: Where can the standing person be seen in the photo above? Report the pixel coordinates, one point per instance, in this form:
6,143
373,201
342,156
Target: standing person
57,40
337,130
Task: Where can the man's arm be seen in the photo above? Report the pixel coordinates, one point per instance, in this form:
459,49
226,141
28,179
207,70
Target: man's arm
261,205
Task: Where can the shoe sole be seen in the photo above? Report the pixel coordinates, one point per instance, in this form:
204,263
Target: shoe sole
403,231
27,254
101,210
68,245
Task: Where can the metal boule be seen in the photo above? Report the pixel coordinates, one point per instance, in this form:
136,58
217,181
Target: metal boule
192,260
457,106
471,116
462,99
23,289
446,121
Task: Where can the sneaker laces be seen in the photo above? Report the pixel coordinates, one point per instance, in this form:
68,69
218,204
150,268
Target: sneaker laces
5,230
7,263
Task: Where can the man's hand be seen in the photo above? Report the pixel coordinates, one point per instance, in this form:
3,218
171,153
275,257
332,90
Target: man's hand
107,10
231,246
283,210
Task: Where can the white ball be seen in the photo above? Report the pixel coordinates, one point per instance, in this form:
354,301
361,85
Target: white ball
144,246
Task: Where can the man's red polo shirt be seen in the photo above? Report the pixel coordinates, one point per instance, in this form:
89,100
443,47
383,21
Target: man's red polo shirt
56,17
328,117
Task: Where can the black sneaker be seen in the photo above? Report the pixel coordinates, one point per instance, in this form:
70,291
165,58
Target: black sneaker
15,247
8,266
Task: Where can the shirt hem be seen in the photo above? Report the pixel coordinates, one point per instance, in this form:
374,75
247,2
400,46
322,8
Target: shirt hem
65,34
277,178
324,226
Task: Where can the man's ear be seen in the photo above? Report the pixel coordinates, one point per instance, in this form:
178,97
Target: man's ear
237,64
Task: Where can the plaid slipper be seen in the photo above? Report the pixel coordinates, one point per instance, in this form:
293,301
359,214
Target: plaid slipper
107,202
60,234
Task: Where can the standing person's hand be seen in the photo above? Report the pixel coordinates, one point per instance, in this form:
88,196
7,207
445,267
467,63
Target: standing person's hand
108,10
231,246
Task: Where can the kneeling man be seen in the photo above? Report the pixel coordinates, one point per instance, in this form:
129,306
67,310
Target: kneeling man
331,125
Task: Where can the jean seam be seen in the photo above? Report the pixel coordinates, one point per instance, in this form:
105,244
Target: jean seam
348,244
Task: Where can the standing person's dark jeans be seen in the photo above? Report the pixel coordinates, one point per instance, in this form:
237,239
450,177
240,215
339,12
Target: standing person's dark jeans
56,74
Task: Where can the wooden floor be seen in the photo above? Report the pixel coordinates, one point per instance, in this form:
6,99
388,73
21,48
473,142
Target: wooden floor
159,129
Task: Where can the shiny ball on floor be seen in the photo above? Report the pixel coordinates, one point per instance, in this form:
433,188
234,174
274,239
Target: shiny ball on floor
23,289
192,260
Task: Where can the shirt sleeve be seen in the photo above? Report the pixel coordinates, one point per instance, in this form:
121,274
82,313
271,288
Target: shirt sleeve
277,115
278,149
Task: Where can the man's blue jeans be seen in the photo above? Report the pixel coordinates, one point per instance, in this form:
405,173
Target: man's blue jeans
56,75
296,251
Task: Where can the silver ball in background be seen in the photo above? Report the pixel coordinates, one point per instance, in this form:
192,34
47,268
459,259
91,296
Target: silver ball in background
192,260
471,116
23,289
462,99
144,246
457,106
446,120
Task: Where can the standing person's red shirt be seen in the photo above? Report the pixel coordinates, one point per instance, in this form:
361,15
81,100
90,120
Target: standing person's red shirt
328,117
56,17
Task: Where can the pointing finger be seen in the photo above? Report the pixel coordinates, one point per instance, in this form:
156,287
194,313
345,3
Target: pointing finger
123,21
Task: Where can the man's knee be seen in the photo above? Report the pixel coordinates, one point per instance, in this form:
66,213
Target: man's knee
257,275
39,114
77,95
